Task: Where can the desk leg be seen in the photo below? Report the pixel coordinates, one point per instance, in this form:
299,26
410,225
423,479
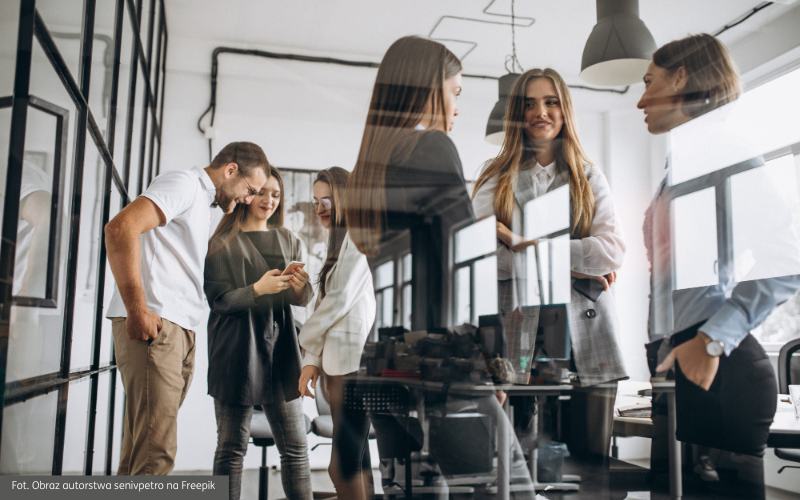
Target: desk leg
675,473
568,480
503,456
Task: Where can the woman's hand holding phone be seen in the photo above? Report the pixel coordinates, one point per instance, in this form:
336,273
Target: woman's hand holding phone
272,282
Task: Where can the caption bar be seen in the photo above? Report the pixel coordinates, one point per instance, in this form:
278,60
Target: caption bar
123,487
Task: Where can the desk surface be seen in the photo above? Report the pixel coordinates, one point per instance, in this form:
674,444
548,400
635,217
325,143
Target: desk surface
463,387
785,421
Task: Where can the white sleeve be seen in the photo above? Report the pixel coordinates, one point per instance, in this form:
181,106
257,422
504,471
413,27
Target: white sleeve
173,192
483,202
355,282
603,251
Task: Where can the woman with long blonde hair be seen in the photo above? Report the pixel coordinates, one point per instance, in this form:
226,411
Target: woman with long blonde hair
542,152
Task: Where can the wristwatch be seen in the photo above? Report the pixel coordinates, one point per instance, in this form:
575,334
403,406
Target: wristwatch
714,348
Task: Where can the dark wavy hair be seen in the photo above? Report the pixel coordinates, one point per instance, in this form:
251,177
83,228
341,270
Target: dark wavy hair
336,178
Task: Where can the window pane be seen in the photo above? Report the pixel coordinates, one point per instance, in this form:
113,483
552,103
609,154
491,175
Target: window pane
727,136
88,254
108,291
64,20
75,435
782,326
387,316
101,424
547,214
103,63
384,275
486,286
9,24
766,220
407,306
123,97
476,239
26,446
695,230
407,267
462,294
136,142
35,343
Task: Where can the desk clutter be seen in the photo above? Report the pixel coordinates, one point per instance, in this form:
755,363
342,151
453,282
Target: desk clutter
463,353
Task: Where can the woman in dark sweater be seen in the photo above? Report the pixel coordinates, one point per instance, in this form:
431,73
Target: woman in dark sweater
254,357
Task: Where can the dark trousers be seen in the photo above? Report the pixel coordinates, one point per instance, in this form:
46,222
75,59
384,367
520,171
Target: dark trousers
737,410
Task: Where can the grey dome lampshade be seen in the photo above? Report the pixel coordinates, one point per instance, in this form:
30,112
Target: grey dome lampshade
494,127
620,47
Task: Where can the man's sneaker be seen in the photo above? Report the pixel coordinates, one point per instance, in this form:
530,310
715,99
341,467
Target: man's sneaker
705,468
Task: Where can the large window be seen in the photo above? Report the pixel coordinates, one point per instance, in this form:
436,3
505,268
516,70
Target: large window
80,137
735,200
475,272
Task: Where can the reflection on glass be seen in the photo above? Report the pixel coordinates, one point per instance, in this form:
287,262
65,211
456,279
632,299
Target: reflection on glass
476,239
486,286
407,269
9,24
64,20
544,273
696,239
547,214
773,106
384,275
75,434
388,307
766,220
407,289
462,293
26,446
33,231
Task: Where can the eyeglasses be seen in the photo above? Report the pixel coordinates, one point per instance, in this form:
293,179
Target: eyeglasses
326,203
250,190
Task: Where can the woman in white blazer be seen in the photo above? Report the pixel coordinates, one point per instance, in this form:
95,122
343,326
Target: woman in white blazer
333,338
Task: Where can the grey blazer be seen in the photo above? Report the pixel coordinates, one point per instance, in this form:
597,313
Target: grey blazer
593,325
243,333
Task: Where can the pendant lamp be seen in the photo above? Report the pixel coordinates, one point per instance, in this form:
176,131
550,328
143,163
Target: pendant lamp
494,127
620,47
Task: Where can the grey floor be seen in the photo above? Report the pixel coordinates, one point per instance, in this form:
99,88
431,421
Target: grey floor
595,485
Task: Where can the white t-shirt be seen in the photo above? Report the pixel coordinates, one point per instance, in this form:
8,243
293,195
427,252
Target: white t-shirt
34,179
173,255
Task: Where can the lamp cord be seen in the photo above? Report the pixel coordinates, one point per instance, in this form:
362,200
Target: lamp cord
515,64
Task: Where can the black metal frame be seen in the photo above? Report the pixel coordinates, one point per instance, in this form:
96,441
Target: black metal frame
31,25
59,166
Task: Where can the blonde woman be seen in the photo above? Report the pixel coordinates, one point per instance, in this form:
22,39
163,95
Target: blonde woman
542,152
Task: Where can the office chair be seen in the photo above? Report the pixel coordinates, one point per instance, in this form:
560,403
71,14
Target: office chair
784,380
322,425
261,435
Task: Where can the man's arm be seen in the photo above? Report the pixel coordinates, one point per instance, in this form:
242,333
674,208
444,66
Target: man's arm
124,257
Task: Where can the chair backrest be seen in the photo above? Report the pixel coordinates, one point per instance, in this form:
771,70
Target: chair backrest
785,365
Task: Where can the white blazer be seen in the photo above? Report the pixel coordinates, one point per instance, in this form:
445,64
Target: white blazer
334,335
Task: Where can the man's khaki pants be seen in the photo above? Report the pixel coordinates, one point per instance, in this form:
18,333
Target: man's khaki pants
156,376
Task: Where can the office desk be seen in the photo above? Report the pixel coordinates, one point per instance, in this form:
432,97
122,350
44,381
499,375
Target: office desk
503,426
785,429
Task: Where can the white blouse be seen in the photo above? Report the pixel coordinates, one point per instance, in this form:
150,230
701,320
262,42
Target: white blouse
600,253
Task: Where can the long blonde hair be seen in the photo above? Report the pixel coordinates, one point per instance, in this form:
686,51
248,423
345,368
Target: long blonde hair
410,78
569,154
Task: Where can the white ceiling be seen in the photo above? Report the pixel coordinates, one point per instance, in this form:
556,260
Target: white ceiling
366,28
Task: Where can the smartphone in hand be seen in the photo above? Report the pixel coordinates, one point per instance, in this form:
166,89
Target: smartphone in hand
292,266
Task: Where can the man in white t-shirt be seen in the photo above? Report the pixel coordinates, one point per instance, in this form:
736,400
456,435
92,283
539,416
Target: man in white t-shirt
156,249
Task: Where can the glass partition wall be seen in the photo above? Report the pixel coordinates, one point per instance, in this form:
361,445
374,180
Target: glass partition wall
80,137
